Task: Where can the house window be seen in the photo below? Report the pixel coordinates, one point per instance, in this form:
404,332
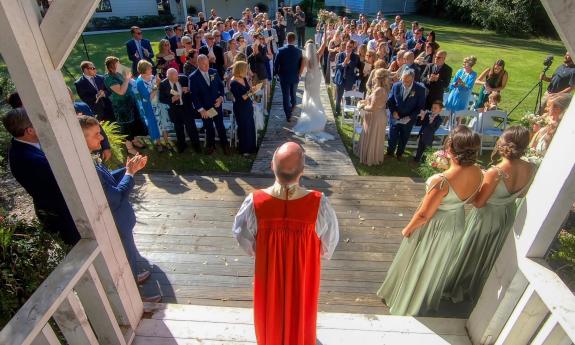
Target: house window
104,6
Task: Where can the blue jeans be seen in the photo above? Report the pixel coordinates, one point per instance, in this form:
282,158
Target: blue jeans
289,97
398,137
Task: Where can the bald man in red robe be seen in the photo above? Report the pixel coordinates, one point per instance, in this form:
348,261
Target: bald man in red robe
288,228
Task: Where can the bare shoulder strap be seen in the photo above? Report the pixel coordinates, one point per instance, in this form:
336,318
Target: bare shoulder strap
441,183
476,190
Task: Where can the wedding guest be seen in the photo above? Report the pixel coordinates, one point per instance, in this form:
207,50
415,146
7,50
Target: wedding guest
427,56
333,50
91,89
416,43
299,22
279,26
409,63
290,20
191,64
369,86
492,103
429,122
174,92
365,69
230,55
124,103
165,59
271,37
207,91
489,222
197,43
436,77
147,85
31,169
117,186
492,79
345,76
398,62
175,41
243,108
258,58
557,106
372,139
215,55
461,86
406,100
562,80
419,272
138,48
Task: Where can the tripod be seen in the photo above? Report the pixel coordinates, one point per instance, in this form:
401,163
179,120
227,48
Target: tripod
539,87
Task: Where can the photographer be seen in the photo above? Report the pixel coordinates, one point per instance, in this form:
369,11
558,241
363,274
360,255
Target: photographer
562,81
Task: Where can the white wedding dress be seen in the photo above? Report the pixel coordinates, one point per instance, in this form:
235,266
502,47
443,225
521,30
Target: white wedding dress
311,123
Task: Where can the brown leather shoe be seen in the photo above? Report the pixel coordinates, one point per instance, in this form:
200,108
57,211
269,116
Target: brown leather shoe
142,277
152,299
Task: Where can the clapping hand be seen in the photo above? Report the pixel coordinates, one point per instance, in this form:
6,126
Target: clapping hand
422,114
127,74
395,115
136,163
146,52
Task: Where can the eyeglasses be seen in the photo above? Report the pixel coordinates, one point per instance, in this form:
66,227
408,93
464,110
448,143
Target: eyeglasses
91,68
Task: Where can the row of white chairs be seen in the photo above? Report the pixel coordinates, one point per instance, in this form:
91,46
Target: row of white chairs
489,125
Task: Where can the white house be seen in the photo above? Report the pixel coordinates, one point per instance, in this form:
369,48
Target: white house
373,6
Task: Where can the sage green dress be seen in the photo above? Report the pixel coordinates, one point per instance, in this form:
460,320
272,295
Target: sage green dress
417,277
486,229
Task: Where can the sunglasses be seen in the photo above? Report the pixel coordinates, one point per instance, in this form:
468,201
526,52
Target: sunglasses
138,32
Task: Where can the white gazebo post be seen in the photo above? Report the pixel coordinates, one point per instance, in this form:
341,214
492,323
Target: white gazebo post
523,299
35,49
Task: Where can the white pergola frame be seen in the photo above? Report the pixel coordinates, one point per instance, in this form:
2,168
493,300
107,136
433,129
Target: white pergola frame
522,300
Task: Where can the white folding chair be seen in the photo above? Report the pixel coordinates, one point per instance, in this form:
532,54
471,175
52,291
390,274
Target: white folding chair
469,118
444,129
491,125
354,96
357,129
229,122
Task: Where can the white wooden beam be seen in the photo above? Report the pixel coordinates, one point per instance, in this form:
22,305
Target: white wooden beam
46,337
98,308
46,99
73,322
561,13
63,24
551,333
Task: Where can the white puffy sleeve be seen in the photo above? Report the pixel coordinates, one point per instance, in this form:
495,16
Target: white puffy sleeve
245,226
327,228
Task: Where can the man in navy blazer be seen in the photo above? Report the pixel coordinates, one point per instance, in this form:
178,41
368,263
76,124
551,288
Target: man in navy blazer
91,89
287,66
118,185
406,100
345,76
32,170
138,49
207,92
175,93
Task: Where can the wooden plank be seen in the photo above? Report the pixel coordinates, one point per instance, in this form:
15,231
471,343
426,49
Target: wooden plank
35,313
98,308
46,99
63,24
73,322
551,333
46,337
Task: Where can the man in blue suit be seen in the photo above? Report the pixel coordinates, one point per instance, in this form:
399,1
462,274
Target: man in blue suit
207,91
345,76
406,100
287,66
118,185
31,169
138,49
91,89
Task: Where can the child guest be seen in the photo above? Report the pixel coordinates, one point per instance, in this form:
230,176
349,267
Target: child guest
430,122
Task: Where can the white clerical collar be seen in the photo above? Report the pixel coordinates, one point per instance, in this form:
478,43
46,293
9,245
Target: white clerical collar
36,145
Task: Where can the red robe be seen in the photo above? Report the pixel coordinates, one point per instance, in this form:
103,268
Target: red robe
287,269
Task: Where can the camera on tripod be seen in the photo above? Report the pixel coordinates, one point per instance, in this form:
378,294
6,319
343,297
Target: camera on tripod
539,86
548,61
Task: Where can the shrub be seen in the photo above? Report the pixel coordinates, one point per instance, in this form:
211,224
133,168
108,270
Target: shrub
264,8
114,23
116,139
27,256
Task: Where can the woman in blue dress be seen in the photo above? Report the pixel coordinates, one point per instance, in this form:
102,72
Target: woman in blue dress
461,86
243,108
147,87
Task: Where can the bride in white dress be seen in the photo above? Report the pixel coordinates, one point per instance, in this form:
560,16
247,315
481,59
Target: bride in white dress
311,123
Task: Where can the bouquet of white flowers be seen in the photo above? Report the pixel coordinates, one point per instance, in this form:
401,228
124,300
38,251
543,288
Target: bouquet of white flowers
532,119
327,17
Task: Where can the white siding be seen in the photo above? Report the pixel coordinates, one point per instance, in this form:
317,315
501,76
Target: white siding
125,8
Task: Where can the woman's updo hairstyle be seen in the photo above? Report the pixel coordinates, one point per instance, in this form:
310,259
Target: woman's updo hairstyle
464,145
513,143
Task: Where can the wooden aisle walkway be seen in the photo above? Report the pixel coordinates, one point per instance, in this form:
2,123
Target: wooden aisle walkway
184,232
329,158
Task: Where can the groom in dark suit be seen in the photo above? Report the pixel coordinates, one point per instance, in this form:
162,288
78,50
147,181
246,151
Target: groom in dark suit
207,91
406,100
287,66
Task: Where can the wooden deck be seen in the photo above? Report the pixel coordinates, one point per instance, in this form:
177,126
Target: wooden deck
194,325
184,232
328,158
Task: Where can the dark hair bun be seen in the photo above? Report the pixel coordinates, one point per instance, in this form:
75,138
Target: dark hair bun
513,142
464,144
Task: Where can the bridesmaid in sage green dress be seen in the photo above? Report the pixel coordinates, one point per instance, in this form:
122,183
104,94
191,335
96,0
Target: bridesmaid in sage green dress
416,279
488,223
